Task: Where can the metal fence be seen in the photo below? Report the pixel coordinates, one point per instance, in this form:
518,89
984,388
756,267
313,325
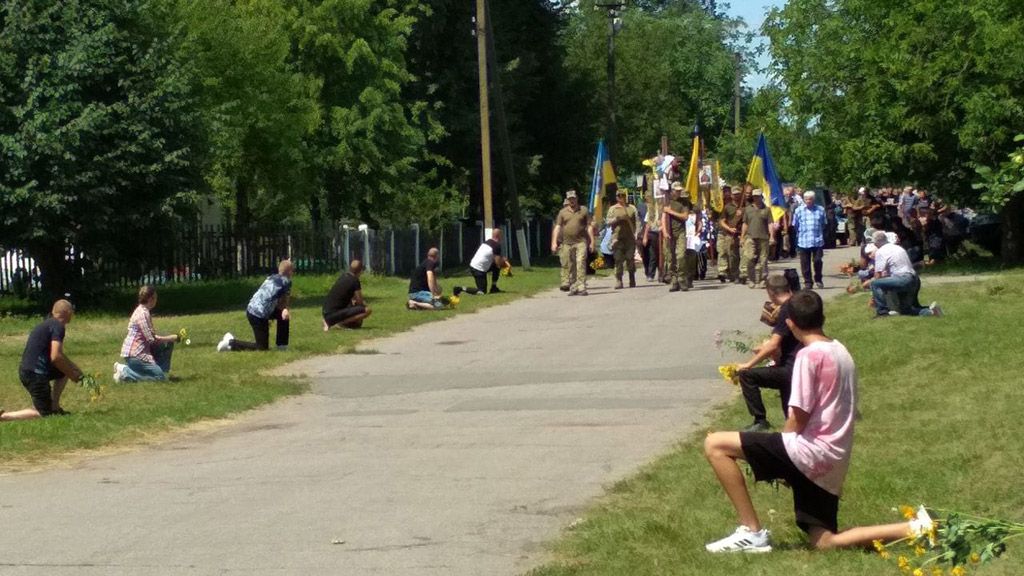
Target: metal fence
219,252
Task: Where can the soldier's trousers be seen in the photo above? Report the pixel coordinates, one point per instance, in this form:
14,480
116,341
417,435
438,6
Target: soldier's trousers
574,265
754,260
682,262
625,254
728,256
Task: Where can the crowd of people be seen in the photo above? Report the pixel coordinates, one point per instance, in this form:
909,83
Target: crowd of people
676,242
814,374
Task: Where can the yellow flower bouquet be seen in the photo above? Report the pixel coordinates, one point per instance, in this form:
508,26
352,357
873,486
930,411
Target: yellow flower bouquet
730,373
183,337
951,546
598,263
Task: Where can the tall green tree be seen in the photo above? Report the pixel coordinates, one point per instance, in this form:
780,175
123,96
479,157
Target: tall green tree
550,122
675,67
98,128
258,107
917,91
370,152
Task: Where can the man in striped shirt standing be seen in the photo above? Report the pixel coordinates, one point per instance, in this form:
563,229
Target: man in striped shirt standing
809,224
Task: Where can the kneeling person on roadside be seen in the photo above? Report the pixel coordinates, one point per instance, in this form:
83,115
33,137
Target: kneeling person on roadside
782,347
43,362
487,260
424,292
270,302
146,355
344,305
811,454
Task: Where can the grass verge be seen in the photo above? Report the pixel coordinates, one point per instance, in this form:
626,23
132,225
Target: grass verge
940,400
210,385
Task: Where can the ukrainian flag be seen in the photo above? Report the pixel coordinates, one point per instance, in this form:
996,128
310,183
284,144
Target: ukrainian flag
604,182
762,174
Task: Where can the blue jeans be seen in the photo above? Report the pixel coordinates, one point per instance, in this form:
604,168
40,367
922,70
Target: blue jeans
138,371
880,287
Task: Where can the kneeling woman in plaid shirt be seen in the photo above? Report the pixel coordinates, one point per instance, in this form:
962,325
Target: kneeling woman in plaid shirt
146,355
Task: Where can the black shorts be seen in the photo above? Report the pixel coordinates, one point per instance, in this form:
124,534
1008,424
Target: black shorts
813,505
38,386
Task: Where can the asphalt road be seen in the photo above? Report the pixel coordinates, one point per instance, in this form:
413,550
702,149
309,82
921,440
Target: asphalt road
458,448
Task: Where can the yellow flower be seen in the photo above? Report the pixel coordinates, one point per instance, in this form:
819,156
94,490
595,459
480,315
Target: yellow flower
958,571
919,550
907,512
975,558
903,563
730,373
878,545
885,554
918,572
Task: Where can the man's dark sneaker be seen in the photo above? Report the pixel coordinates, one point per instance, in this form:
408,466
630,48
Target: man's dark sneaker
722,278
563,288
495,290
457,290
759,426
674,288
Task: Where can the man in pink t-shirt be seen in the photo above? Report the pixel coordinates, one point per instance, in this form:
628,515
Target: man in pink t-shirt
811,454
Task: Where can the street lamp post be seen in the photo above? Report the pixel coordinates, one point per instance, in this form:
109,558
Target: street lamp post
614,25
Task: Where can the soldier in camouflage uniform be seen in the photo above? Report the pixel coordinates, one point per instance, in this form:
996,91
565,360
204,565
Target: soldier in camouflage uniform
622,219
755,238
674,227
729,227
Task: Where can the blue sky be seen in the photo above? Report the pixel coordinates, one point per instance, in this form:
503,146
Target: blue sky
753,12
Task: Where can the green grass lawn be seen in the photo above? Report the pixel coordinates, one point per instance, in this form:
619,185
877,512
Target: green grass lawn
210,385
940,399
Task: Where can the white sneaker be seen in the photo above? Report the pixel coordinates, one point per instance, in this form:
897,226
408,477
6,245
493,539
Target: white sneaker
225,343
119,371
743,540
935,308
922,524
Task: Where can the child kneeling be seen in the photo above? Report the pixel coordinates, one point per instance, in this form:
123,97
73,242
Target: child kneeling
811,454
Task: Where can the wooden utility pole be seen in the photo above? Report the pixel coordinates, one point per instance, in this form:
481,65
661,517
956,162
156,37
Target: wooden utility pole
485,115
506,146
736,91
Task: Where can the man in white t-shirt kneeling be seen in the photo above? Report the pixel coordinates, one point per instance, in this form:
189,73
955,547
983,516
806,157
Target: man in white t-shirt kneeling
487,260
811,454
895,275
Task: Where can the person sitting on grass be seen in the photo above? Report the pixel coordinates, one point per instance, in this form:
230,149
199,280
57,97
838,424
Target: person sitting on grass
146,355
424,292
895,276
811,454
270,302
344,306
43,362
782,347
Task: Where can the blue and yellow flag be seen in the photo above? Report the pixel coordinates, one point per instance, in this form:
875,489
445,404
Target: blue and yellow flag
762,174
604,183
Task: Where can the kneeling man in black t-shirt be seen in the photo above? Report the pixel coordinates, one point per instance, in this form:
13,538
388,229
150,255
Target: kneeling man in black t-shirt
43,362
345,306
